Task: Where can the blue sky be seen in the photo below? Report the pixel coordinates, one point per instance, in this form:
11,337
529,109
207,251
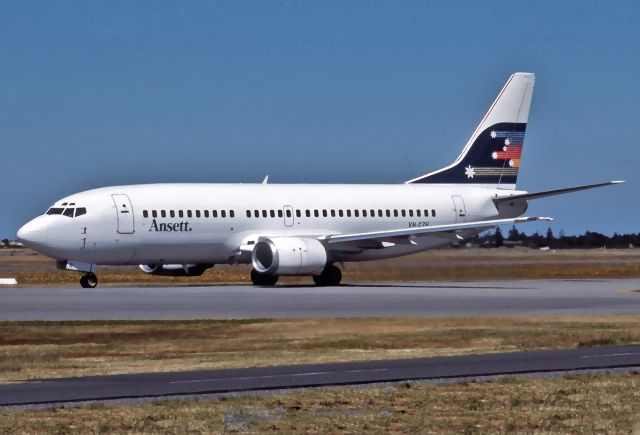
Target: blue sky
116,92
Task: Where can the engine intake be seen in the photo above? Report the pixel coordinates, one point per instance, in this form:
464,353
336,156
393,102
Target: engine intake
289,256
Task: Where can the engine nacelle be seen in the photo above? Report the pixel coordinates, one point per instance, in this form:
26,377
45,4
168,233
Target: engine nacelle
289,256
175,269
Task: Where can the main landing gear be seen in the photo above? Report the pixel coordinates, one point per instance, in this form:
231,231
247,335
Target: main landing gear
89,280
329,276
264,279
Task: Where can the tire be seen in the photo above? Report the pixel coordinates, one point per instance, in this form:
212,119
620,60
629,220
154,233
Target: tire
263,279
330,276
89,280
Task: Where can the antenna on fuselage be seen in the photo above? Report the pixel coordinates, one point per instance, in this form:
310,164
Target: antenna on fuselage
266,179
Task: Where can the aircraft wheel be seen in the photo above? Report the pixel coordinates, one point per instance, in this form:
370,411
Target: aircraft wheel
89,280
330,276
264,279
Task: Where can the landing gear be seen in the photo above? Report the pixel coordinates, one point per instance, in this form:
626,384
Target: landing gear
89,280
264,279
329,276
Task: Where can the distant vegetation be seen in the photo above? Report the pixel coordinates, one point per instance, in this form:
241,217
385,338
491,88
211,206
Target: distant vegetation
536,240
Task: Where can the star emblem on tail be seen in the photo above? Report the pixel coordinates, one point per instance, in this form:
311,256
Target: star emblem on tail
469,171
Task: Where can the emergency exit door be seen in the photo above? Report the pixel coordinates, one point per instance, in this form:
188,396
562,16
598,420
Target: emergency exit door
124,213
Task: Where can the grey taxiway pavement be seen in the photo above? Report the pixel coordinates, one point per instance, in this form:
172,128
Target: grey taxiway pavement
150,385
452,298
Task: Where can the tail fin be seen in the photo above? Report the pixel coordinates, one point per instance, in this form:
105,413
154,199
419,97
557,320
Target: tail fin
492,155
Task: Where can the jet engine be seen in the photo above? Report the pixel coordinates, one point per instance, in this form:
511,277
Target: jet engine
175,269
289,256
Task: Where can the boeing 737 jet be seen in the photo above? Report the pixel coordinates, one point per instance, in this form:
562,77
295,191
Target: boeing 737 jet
298,229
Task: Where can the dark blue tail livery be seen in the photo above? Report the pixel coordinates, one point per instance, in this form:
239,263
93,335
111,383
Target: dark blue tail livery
493,154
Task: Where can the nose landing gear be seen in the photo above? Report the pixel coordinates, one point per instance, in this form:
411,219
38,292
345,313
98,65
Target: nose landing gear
89,280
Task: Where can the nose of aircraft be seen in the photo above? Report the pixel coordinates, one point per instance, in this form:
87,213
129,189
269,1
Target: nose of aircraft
33,233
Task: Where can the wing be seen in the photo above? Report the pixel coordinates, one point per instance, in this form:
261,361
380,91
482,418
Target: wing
408,233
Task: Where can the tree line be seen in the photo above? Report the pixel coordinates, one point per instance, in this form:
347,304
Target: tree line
536,240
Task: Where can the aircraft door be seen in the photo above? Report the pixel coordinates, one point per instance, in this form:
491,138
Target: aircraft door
459,208
288,215
124,213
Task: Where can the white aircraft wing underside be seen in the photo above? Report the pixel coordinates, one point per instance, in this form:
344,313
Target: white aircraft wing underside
407,233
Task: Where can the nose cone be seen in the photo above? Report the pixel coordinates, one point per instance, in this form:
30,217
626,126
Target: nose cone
33,234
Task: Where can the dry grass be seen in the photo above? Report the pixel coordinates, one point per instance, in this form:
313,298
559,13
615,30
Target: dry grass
573,404
451,264
55,349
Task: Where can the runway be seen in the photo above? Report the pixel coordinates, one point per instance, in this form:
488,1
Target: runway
313,375
453,298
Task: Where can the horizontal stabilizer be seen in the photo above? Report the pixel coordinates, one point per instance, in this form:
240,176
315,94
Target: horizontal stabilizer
536,195
408,232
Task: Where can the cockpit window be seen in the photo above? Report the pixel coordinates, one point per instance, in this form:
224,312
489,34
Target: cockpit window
68,211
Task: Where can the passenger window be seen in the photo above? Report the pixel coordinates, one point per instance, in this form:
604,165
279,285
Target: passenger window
324,213
172,213
379,213
272,213
307,213
333,213
356,213
180,213
264,213
395,213
144,213
340,213
214,213
197,213
154,213
418,213
410,213
388,213
316,213
81,210
256,213
349,213
206,213
163,213
403,213
232,213
298,214
288,213
68,212
433,213
248,213
364,213
189,214
279,213
223,214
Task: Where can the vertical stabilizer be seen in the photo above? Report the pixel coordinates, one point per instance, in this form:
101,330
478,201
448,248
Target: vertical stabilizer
493,153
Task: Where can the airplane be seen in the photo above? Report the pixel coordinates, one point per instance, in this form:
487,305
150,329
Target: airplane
298,229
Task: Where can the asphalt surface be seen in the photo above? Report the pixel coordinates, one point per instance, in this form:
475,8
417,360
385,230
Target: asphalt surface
150,385
485,298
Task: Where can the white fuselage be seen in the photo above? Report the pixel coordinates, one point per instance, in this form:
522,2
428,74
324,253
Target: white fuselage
119,226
